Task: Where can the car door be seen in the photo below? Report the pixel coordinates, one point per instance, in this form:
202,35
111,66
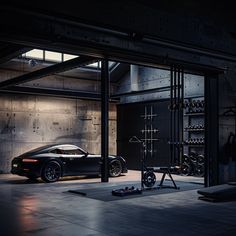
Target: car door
73,161
77,161
93,163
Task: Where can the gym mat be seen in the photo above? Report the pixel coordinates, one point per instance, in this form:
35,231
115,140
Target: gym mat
105,193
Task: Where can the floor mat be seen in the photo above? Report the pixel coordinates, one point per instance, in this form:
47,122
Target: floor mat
105,193
223,192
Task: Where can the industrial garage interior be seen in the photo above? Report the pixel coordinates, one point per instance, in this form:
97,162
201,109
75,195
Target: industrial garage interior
117,118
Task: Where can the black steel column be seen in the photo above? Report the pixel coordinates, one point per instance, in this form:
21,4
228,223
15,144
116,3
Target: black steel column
171,115
181,117
211,130
105,120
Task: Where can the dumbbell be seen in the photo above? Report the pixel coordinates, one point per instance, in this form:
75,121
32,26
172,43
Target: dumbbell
198,102
193,157
200,159
202,104
185,158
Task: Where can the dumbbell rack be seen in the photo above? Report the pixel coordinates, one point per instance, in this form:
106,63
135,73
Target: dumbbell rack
194,127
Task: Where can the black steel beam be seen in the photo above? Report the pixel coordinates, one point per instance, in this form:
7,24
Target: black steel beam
57,68
141,92
171,114
105,120
118,72
53,92
11,51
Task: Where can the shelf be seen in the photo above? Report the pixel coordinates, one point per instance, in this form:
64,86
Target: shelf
194,145
194,130
195,114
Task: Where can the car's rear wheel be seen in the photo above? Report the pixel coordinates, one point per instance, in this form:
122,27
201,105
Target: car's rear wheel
115,168
51,172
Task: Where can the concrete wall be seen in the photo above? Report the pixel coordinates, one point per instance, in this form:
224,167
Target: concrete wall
27,122
159,79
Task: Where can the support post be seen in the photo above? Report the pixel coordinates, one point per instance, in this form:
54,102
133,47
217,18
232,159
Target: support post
171,114
211,130
105,120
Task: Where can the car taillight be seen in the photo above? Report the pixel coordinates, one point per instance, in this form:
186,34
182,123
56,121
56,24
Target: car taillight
29,160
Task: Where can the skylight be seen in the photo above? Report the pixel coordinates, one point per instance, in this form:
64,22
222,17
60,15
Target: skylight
53,56
95,64
67,57
50,56
35,53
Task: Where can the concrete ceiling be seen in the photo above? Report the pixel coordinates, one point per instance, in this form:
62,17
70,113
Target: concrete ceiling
219,11
125,18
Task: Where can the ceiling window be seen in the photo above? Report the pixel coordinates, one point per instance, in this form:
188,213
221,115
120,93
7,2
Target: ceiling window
53,56
35,53
57,57
67,57
95,65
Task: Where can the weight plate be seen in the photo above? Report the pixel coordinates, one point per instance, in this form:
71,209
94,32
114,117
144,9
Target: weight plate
200,159
186,169
199,170
149,179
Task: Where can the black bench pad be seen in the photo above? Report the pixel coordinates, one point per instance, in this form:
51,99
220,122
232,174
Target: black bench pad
219,192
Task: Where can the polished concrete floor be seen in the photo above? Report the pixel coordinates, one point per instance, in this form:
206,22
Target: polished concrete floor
28,208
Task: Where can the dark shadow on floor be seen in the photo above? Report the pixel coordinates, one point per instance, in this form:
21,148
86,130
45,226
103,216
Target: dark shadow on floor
39,180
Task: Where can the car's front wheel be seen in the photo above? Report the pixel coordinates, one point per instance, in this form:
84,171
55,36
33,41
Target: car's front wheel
51,172
115,168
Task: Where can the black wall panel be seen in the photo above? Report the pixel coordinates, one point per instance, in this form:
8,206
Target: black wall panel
131,121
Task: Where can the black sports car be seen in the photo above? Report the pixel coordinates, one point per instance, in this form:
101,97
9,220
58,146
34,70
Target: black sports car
54,161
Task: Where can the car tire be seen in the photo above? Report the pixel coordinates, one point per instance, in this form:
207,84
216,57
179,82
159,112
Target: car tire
51,172
115,168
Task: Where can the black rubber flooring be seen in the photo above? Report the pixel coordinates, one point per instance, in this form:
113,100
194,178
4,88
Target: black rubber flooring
105,193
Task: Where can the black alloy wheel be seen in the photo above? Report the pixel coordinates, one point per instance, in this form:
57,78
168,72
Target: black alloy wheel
115,168
51,172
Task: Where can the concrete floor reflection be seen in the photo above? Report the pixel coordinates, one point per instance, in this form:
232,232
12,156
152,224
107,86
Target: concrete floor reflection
42,209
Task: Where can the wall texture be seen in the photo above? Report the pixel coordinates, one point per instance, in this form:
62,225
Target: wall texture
27,122
153,84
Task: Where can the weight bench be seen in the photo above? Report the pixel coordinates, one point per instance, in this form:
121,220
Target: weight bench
165,171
